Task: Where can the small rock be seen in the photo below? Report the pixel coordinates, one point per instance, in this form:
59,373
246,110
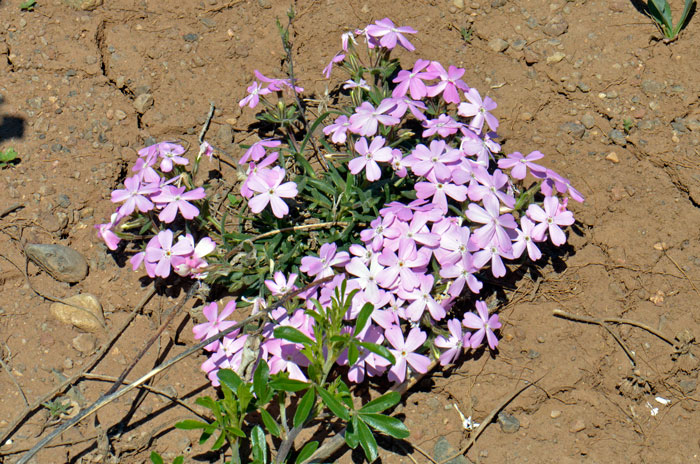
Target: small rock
444,450
143,103
612,156
525,116
688,386
556,26
458,3
265,4
532,354
518,44
498,45
588,121
679,126
531,57
191,37
120,115
497,3
577,426
583,87
85,314
532,22
85,343
556,57
575,129
63,200
617,137
508,422
62,263
555,413
693,124
540,339
68,363
639,113
650,87
84,5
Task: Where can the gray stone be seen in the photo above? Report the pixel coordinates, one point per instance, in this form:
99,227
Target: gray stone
498,3
143,103
575,129
679,126
62,263
508,422
650,87
191,37
498,45
688,386
583,87
518,44
556,26
693,124
617,137
532,22
588,121
85,343
265,4
83,311
444,450
84,5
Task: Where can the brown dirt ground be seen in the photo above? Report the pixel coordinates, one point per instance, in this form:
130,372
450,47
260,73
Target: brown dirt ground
68,80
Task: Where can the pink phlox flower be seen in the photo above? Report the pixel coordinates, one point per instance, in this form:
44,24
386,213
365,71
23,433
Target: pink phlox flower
346,39
380,228
216,323
257,150
479,110
443,125
360,299
491,185
339,129
439,191
194,264
104,231
162,251
253,170
435,159
495,224
525,240
144,165
350,84
205,149
412,81
227,356
405,212
550,218
366,118
402,104
268,185
454,345
322,266
366,276
421,299
368,362
276,85
170,154
404,352
449,82
277,317
399,271
366,255
287,357
255,91
463,273
140,257
134,196
415,231
398,163
454,244
562,185
177,199
369,156
483,147
339,57
519,164
281,284
494,253
483,324
388,34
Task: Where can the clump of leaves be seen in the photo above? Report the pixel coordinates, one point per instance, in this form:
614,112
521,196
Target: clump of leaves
157,459
7,157
466,33
627,125
660,12
27,5
58,407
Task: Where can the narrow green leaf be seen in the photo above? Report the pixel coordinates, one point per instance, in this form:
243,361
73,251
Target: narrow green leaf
351,437
229,378
306,451
270,423
206,434
293,335
353,353
378,350
189,424
288,385
235,431
656,8
386,424
155,458
260,379
367,441
684,17
179,460
382,403
206,402
259,445
220,441
304,408
333,404
363,317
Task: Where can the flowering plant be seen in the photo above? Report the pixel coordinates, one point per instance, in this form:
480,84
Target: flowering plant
368,236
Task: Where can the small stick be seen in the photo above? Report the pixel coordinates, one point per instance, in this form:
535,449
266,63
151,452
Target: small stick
485,423
12,377
10,209
100,354
682,271
612,320
205,128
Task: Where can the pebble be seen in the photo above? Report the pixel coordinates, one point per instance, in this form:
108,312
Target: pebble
588,121
693,124
120,115
62,263
651,87
556,26
577,426
143,103
540,339
84,5
679,126
508,422
555,413
531,57
617,137
556,57
575,129
612,156
444,450
532,22
688,386
458,3
639,113
518,44
498,45
88,316
85,343
525,116
191,37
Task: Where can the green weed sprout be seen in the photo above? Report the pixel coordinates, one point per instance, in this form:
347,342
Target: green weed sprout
8,157
660,12
28,5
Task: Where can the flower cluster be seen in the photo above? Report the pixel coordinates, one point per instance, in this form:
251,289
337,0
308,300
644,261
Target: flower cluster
155,196
471,212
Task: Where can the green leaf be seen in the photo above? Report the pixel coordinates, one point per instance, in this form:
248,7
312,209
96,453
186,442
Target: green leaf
351,437
245,396
28,5
367,441
386,424
220,441
307,451
190,424
179,460
293,335
231,430
259,445
304,408
155,458
8,155
379,350
382,403
333,404
229,378
684,17
657,9
363,317
270,423
353,354
260,379
289,385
